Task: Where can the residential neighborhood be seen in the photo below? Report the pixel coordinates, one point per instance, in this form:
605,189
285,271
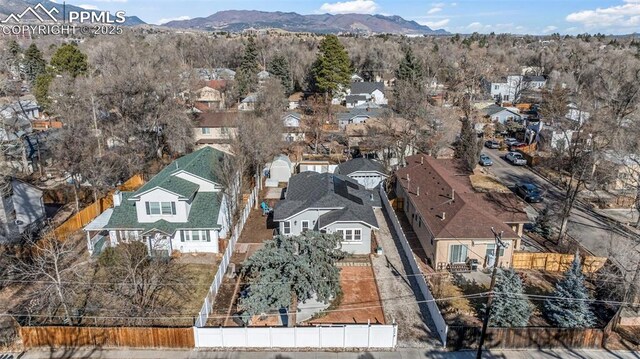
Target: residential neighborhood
341,184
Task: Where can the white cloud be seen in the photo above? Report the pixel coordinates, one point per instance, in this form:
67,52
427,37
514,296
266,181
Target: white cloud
89,7
624,16
346,7
164,21
454,4
549,29
436,24
434,10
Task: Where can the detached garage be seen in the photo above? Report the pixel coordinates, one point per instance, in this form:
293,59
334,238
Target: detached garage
368,173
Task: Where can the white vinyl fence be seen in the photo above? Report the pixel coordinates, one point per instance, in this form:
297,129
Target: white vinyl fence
201,320
438,320
330,336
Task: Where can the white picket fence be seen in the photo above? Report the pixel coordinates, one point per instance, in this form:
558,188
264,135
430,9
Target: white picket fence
330,336
436,315
201,320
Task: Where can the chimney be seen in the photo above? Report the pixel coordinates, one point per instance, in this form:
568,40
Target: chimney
444,215
418,192
453,194
421,160
117,198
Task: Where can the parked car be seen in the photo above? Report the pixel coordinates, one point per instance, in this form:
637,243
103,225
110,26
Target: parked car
485,160
510,141
517,145
529,192
516,158
493,144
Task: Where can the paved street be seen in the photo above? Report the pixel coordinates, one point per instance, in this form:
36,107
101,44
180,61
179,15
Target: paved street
593,230
400,353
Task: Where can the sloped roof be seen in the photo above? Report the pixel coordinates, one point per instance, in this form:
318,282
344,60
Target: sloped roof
355,98
351,201
360,164
200,163
217,119
438,187
366,87
355,112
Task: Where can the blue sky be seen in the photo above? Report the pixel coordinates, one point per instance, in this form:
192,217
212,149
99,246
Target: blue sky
465,16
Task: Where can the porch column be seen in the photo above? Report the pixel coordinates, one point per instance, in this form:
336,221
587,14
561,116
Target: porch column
213,234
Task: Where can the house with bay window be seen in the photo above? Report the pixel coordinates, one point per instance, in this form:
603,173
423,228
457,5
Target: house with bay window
452,221
329,203
182,208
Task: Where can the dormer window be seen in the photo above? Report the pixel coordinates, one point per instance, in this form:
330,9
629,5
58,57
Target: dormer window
161,208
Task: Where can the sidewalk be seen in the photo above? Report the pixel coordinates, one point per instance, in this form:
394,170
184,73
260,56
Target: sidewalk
400,353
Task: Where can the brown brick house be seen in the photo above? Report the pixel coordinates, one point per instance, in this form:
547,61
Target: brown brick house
452,221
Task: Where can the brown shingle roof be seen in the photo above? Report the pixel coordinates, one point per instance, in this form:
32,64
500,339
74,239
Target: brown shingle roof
217,119
438,187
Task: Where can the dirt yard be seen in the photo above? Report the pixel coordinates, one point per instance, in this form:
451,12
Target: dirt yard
360,300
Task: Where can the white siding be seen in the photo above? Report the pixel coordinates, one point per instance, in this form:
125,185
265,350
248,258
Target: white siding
159,195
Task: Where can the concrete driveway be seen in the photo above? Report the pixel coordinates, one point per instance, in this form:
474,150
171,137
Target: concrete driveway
595,231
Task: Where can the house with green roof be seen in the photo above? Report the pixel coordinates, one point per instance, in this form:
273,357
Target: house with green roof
181,208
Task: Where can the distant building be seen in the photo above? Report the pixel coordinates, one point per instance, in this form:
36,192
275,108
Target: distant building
369,173
512,87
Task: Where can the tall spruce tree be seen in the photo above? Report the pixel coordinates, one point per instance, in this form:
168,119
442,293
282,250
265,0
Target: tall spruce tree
542,224
300,266
570,306
34,63
509,307
247,74
468,146
279,68
331,71
410,68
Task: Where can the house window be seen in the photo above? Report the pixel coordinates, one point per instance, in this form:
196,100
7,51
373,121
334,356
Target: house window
206,130
157,208
350,235
197,235
457,253
505,98
287,227
357,235
305,226
491,250
495,87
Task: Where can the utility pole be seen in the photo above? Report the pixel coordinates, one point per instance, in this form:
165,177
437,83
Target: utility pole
499,245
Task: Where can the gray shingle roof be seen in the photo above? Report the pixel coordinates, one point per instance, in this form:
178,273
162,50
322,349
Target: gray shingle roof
351,201
371,112
366,87
360,164
355,98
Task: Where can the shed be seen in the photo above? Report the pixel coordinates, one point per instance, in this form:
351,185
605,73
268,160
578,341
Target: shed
281,169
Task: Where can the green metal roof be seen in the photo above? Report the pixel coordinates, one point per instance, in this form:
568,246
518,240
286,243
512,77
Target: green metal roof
201,163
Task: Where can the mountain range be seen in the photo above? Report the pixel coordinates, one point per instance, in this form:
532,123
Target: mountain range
238,20
8,7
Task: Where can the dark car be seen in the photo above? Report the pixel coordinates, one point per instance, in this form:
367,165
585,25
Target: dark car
529,192
493,144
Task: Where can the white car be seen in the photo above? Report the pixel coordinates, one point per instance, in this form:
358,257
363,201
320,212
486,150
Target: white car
516,158
510,141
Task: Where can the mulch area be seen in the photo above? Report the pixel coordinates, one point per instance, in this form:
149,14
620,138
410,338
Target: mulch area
360,300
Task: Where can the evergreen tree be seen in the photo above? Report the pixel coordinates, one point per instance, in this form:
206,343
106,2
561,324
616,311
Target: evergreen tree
34,63
14,48
543,225
509,307
410,69
41,89
468,146
247,74
331,71
69,59
279,67
570,307
302,265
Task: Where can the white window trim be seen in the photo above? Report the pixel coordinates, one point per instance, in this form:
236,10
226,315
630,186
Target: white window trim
353,234
286,230
302,225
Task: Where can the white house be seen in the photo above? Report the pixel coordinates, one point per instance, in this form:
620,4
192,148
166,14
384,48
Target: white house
373,91
501,114
356,78
281,169
577,115
367,172
356,115
182,208
294,100
293,131
248,103
511,88
330,203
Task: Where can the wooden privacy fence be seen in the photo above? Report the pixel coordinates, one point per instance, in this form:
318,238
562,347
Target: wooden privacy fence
58,337
532,337
555,262
86,215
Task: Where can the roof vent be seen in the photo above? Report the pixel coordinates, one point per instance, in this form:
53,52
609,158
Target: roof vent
371,197
418,192
444,216
421,160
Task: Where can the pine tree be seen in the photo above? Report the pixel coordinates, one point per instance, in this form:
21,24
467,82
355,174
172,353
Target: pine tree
570,307
69,59
34,63
509,307
410,69
542,225
332,69
468,146
279,67
300,266
247,74
41,89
